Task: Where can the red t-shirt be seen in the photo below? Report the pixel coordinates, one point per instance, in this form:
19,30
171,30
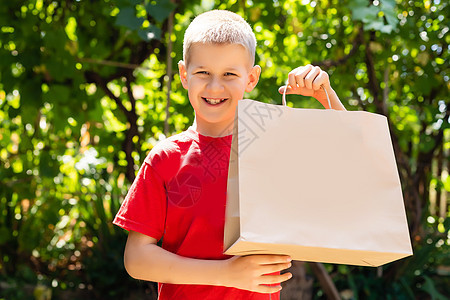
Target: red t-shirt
179,196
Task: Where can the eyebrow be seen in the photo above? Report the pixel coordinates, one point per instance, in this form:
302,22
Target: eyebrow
234,69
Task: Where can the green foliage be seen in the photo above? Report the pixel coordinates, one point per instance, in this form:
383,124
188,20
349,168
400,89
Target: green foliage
381,18
83,96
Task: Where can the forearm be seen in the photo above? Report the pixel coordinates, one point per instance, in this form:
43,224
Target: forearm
145,260
151,262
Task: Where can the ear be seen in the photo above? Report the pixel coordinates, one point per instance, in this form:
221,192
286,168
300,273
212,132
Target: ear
183,73
253,78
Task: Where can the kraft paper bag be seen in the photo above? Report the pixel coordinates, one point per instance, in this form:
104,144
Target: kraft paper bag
318,185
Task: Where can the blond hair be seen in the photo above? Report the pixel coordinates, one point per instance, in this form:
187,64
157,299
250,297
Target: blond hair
219,27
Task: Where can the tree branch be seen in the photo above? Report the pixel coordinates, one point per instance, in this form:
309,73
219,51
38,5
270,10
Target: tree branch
325,281
128,145
373,83
131,116
94,77
139,53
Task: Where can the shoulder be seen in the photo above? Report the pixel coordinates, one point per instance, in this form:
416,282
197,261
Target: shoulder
170,149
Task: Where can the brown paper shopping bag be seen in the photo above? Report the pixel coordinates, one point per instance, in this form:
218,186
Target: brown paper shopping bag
318,185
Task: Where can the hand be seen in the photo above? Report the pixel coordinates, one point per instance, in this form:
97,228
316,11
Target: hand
253,272
307,81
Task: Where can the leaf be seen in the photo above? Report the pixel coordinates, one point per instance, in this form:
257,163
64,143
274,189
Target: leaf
424,84
8,81
54,39
361,3
125,3
28,114
365,14
30,93
127,18
387,29
161,10
391,17
426,143
446,184
388,4
61,66
369,15
57,93
375,25
96,112
48,167
430,288
150,33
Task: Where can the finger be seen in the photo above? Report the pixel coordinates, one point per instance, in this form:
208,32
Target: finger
300,80
270,259
282,88
298,69
265,289
291,80
291,76
297,76
311,76
321,79
275,279
267,269
289,90
300,75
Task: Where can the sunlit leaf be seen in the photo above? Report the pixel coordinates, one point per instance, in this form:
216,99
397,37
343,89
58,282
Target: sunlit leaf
365,14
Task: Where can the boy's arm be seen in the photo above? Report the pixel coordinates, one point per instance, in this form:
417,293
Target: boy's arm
145,260
307,81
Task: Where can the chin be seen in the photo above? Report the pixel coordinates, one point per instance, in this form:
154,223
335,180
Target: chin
216,120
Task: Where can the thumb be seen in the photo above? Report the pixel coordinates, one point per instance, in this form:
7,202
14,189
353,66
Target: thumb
282,88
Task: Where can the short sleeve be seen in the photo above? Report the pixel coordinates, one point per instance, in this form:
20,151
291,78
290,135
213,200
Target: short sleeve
144,207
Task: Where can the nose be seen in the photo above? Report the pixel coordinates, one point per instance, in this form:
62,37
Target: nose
215,85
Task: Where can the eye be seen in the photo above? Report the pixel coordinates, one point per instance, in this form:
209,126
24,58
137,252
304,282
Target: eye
230,74
202,72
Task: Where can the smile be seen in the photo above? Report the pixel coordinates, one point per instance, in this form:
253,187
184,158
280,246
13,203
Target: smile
214,101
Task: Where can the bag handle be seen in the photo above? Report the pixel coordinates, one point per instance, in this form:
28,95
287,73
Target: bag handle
283,99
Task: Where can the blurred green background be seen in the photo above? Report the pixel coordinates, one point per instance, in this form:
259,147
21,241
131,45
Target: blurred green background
87,88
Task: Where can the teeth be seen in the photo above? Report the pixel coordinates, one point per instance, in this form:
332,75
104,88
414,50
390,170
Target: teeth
214,101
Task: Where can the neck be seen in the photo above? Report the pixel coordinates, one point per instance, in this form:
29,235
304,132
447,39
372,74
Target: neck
213,129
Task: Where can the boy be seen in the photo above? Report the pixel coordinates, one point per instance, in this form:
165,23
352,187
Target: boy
179,194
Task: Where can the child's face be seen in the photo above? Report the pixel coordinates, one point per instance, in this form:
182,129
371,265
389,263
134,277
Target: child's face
216,78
